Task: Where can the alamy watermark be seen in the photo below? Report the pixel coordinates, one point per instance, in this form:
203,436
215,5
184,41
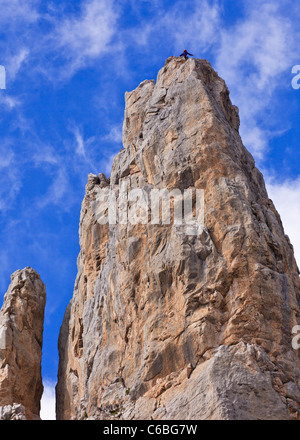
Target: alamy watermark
296,339
2,78
296,79
184,209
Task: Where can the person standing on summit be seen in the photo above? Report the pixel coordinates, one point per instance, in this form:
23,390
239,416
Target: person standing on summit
185,54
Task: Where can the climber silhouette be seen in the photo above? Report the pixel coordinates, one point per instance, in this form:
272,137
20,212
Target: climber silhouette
185,54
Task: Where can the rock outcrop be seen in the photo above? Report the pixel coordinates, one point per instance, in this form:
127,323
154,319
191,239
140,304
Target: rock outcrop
12,412
168,323
21,338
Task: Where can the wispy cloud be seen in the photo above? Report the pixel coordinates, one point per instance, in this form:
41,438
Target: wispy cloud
115,134
13,11
57,192
82,145
9,102
48,401
45,156
10,179
15,62
85,37
193,25
64,43
286,199
253,56
17,20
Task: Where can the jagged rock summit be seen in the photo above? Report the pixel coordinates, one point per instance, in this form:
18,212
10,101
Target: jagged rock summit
21,338
164,324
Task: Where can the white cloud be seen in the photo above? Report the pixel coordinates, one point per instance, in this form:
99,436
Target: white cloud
45,155
81,39
7,156
71,42
115,134
10,178
252,57
58,191
18,10
15,62
5,271
286,197
18,18
9,102
80,144
183,25
48,401
198,27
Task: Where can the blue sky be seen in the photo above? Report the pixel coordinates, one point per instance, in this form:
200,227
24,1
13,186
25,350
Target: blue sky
68,65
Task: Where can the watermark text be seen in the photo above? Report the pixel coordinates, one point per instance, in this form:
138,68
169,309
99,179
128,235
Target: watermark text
156,207
296,339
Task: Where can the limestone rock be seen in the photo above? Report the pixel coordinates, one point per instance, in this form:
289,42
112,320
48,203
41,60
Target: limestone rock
231,385
21,338
168,323
12,412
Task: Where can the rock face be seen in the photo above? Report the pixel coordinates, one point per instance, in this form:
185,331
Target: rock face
12,412
21,338
170,324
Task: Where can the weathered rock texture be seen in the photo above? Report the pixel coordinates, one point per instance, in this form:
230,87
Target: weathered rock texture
12,412
167,325
21,337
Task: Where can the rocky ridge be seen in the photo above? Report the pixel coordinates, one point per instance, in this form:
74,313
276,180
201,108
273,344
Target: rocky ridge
169,325
21,338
